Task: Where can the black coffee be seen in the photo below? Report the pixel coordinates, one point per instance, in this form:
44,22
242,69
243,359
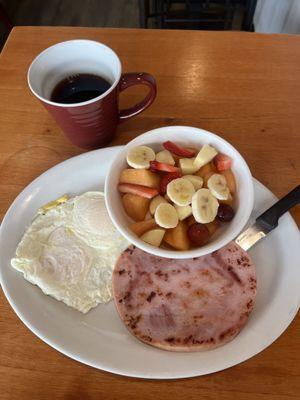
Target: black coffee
78,88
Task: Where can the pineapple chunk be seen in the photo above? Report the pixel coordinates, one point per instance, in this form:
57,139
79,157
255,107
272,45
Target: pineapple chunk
197,181
154,237
187,166
205,155
139,228
183,211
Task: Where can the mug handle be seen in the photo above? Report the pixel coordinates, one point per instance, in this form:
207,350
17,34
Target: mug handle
137,78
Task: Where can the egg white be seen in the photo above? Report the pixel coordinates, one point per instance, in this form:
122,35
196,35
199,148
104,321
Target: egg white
70,252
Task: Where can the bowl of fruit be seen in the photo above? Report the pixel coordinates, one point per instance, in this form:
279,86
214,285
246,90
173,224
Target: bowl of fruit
179,192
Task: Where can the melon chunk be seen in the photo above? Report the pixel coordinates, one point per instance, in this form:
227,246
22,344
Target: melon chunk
177,237
142,177
136,207
139,228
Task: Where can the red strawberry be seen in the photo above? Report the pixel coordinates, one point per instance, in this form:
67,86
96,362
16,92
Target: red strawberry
159,166
178,150
222,162
166,179
139,190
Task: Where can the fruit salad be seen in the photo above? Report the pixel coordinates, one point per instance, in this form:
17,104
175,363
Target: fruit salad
178,197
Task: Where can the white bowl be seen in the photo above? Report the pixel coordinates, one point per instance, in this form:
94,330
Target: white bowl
188,137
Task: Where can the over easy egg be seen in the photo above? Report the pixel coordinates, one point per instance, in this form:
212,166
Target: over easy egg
70,252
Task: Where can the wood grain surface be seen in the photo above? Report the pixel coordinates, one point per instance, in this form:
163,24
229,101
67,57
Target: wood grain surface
242,86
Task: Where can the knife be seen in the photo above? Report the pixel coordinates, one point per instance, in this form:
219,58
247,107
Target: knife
268,221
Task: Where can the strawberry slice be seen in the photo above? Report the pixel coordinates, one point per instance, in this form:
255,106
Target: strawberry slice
178,150
159,166
139,190
167,179
222,162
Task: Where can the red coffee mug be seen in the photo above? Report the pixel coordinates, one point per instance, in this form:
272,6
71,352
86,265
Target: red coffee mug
93,123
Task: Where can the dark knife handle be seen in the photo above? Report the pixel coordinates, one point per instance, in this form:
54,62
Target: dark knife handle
269,219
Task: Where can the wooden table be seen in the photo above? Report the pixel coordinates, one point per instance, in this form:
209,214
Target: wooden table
243,86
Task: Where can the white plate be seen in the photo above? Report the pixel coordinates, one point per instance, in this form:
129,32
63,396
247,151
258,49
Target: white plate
99,338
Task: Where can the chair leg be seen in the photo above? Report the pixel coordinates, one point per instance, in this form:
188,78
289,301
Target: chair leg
247,24
160,13
5,18
144,13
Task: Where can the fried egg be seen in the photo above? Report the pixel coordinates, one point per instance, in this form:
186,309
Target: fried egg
70,252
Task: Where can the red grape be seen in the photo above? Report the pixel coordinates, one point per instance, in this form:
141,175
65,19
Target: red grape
198,234
225,213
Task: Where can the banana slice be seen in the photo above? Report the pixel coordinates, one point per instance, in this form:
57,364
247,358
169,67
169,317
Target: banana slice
205,155
197,181
204,206
187,166
153,237
165,156
139,157
155,202
183,211
180,191
166,216
218,186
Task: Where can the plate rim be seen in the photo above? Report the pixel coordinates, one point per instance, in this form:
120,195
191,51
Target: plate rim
81,359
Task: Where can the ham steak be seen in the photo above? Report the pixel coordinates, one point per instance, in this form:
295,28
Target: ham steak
185,305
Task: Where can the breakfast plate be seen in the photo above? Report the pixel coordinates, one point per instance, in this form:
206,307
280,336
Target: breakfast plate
99,338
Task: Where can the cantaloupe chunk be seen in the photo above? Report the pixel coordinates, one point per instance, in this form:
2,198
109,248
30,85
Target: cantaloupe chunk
139,228
229,201
191,220
142,177
213,226
230,179
135,206
206,169
177,237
